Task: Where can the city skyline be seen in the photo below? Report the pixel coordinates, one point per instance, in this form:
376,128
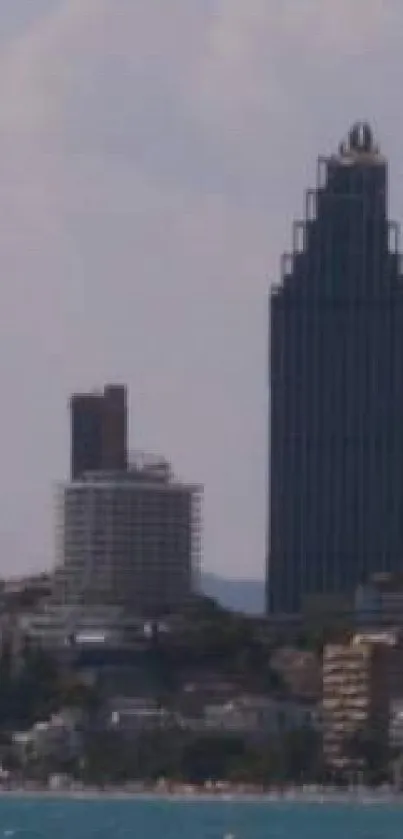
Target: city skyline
151,164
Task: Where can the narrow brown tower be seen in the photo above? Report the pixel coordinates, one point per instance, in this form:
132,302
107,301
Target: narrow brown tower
99,430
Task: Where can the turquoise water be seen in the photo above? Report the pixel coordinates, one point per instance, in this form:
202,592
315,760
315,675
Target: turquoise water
106,819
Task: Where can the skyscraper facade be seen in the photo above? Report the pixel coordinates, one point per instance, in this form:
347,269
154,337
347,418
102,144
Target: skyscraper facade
336,387
98,430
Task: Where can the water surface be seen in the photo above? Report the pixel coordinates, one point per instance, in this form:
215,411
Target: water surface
158,819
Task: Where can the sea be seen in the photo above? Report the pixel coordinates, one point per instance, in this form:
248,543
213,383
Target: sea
104,818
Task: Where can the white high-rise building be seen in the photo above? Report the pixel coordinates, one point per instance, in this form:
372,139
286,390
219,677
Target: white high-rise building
129,538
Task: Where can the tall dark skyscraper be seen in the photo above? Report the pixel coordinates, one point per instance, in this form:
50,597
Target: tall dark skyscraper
336,386
98,431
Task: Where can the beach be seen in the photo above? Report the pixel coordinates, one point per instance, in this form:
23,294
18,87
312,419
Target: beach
223,792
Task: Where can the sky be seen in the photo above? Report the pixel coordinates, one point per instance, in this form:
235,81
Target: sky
153,156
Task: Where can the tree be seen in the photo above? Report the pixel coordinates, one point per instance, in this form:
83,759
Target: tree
211,757
74,693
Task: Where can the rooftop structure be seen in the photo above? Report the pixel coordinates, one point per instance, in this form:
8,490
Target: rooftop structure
98,430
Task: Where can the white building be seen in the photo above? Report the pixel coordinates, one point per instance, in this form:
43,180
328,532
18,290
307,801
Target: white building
58,626
132,715
130,539
250,714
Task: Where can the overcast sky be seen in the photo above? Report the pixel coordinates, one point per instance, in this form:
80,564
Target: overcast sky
153,155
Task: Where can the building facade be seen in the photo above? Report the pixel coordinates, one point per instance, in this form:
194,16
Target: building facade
379,602
336,387
392,644
355,698
396,726
129,539
98,430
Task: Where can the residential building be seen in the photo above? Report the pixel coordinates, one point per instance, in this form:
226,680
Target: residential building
392,643
130,539
355,698
396,726
336,387
379,602
131,715
98,430
55,627
260,715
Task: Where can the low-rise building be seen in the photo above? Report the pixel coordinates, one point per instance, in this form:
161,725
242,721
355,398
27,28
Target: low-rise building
55,627
131,716
260,715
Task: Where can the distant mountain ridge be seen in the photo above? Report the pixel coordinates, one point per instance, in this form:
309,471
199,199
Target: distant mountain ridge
240,595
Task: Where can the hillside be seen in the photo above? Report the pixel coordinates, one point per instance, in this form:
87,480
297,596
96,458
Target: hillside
240,595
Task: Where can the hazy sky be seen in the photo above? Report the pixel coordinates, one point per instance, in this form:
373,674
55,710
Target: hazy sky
153,154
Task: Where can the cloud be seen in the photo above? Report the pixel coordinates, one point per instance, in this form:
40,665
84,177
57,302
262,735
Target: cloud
260,68
118,78
216,52
245,40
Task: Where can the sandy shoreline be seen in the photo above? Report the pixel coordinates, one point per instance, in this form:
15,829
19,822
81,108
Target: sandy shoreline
362,797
